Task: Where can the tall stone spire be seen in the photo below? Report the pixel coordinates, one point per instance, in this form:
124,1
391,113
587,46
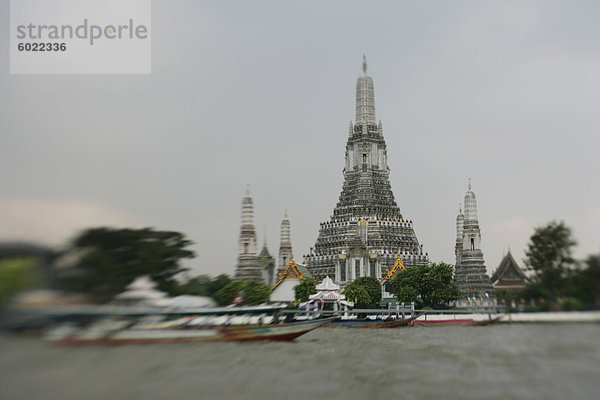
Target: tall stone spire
366,231
460,224
247,267
470,271
285,246
365,97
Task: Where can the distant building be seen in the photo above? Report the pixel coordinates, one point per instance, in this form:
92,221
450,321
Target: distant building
250,264
283,290
266,265
285,245
509,275
367,229
470,271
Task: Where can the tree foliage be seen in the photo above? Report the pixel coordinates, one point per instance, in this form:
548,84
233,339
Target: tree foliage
16,274
549,255
109,259
358,294
201,285
304,289
431,286
253,293
371,288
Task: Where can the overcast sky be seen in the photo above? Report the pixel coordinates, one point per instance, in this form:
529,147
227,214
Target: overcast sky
261,93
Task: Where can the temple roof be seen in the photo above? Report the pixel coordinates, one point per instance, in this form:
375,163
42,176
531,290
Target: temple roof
398,266
508,265
293,271
327,285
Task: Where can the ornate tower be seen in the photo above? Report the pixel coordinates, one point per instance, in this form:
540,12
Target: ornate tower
471,274
285,246
266,265
367,230
247,266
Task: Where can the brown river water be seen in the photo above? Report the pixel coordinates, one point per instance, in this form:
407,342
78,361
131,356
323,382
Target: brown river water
529,361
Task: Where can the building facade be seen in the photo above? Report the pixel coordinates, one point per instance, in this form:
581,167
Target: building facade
367,231
470,271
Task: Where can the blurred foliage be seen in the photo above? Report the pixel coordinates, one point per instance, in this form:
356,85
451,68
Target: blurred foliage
549,255
201,285
253,293
560,283
110,259
371,287
429,286
304,289
16,274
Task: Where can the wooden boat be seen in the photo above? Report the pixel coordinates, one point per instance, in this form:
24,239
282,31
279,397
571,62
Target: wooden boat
119,334
370,323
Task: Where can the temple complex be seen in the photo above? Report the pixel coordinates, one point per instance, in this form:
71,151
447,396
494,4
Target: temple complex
367,231
470,271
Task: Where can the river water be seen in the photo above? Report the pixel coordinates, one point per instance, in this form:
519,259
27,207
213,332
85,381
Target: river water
543,361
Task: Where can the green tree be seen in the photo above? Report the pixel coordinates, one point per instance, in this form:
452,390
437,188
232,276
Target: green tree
201,285
358,294
549,255
253,293
441,286
217,284
228,293
109,259
16,274
372,288
304,289
432,286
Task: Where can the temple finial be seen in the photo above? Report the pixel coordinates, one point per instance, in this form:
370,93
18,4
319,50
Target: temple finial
264,236
285,215
469,183
364,64
460,208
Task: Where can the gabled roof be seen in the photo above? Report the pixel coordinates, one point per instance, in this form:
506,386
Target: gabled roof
398,266
328,285
293,271
508,264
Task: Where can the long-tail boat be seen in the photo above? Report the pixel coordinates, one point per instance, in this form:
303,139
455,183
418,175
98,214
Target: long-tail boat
370,323
231,333
456,320
123,325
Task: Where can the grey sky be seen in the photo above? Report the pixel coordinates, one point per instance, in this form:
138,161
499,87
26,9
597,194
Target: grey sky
261,93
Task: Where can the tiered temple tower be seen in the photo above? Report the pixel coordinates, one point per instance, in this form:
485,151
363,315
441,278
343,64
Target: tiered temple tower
247,266
366,231
266,265
285,246
470,270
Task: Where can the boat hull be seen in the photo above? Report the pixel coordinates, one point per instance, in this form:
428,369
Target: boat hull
369,324
241,333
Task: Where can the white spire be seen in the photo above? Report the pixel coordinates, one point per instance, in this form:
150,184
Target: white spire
365,98
285,244
470,206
